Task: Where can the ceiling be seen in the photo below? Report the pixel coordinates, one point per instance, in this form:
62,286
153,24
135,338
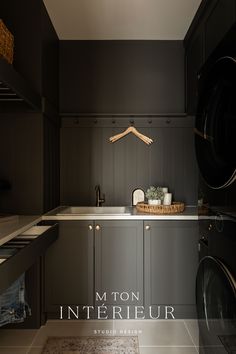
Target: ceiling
121,19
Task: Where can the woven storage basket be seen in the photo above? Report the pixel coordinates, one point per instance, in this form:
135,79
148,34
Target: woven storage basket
174,208
6,43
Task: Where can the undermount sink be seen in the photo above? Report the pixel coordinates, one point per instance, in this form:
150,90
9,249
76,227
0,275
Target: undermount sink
90,210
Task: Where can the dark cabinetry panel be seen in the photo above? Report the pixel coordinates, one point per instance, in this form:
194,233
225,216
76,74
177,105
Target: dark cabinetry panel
213,20
171,259
194,61
69,267
51,132
119,260
122,76
88,158
23,19
30,142
218,23
50,60
22,163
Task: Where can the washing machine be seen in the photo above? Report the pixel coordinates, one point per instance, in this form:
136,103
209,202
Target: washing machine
215,137
216,283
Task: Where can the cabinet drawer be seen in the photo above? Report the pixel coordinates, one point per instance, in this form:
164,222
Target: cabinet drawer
20,253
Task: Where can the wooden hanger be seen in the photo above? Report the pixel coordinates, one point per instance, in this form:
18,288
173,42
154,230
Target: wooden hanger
134,131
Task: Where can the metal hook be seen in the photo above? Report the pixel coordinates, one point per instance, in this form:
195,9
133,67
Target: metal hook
131,122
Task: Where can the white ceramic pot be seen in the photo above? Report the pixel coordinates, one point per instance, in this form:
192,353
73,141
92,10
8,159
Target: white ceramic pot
154,201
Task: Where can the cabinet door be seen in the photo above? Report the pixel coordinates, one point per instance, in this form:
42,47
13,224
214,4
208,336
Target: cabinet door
218,23
171,259
69,267
194,61
119,261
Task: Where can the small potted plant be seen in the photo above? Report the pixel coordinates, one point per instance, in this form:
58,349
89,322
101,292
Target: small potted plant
154,195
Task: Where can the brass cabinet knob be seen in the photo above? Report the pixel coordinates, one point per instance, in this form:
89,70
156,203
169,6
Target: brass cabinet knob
210,227
147,227
90,227
98,227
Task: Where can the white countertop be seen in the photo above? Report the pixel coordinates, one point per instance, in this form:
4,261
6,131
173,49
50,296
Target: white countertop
10,229
190,213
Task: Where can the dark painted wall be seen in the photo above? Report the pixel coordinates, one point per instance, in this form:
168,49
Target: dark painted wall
50,60
88,158
30,142
21,163
122,76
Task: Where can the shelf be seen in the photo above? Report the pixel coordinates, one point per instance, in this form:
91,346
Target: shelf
15,92
131,115
20,253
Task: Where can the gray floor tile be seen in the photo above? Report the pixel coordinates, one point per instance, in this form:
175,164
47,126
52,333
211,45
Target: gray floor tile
192,326
14,350
35,350
17,337
168,350
157,333
72,328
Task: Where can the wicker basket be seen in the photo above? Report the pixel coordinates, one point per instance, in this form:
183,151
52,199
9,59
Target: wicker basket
6,43
174,208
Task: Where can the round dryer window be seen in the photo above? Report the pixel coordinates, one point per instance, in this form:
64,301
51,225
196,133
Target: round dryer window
215,126
216,302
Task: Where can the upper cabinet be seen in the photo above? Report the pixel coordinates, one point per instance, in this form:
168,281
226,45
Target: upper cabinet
211,23
218,23
194,61
34,72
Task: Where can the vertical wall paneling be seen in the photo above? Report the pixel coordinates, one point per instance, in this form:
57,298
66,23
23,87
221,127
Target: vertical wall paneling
122,76
22,163
87,159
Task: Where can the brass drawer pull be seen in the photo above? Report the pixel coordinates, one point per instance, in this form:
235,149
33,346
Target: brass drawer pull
98,227
148,227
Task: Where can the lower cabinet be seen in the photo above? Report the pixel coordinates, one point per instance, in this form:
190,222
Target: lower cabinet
171,260
69,268
121,264
92,258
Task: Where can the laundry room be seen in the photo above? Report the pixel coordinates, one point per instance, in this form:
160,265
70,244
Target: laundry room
117,176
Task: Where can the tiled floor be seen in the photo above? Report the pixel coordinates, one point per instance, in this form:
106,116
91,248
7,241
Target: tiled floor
155,337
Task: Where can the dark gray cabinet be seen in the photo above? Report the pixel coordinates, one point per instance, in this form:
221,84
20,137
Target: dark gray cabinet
119,261
69,267
218,23
117,251
194,61
211,23
134,263
171,259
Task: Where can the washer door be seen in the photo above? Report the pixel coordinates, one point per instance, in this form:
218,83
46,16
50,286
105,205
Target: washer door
216,302
216,124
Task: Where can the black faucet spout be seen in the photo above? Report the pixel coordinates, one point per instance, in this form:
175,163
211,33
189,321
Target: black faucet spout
99,200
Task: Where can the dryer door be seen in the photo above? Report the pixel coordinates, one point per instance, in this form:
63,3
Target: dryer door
216,305
215,126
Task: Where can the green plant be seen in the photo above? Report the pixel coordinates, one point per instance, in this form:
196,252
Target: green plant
154,193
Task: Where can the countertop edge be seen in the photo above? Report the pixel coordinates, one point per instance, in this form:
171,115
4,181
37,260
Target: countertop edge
21,229
131,217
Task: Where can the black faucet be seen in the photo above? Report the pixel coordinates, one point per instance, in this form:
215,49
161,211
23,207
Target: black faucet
99,201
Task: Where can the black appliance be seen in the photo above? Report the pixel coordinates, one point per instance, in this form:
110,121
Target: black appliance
216,124
216,284
215,136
